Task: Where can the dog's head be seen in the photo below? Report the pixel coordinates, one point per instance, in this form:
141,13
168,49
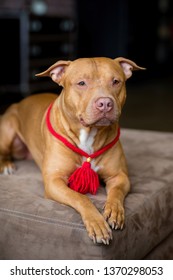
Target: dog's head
94,88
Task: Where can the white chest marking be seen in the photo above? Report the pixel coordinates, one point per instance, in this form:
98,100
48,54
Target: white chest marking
86,143
87,139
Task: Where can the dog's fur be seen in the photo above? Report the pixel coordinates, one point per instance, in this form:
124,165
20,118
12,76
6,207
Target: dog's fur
86,113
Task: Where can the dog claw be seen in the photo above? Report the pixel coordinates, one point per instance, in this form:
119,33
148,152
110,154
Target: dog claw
113,225
94,239
7,169
105,241
111,236
116,227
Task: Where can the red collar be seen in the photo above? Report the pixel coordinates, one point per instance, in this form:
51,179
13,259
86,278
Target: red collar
74,148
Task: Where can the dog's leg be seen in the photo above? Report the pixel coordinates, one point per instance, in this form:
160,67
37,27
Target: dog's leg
9,142
6,166
98,229
117,188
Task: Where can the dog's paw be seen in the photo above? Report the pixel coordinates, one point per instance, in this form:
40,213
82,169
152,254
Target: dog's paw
114,214
98,229
7,167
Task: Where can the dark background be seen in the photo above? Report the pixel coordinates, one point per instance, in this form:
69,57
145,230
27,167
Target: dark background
143,32
139,30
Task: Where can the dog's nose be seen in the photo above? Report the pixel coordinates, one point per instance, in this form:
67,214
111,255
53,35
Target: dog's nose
104,104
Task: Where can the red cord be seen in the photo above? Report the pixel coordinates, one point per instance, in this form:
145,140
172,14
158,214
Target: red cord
74,148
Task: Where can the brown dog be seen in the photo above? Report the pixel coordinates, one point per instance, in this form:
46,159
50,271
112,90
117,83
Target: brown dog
86,114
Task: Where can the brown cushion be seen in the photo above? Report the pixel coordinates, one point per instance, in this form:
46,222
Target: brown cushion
36,228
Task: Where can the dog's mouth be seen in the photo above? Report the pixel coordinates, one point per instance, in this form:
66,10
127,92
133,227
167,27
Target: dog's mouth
103,121
101,116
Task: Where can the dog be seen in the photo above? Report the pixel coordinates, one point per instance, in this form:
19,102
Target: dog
86,115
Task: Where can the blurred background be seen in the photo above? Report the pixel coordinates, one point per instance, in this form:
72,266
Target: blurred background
36,33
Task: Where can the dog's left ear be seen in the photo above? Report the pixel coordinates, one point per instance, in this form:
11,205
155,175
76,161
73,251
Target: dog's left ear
56,71
128,66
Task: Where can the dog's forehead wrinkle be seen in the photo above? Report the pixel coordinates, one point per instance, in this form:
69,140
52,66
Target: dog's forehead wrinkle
94,64
93,70
88,69
98,77
104,72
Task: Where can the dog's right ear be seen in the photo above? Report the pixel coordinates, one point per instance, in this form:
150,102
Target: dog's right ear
56,71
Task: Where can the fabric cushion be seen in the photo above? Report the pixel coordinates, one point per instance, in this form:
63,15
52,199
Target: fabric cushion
33,227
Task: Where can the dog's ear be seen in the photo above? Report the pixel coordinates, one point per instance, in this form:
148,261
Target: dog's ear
128,66
56,71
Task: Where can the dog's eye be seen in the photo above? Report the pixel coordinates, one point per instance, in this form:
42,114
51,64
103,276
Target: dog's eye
81,83
115,82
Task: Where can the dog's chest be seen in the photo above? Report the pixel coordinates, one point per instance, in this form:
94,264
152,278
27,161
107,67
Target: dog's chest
87,140
86,144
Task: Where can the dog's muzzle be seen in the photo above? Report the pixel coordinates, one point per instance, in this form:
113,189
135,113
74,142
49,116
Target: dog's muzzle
103,112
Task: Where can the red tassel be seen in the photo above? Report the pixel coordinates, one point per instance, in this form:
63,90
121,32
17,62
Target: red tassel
84,179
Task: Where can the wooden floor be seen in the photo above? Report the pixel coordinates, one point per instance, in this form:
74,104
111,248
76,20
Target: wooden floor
149,106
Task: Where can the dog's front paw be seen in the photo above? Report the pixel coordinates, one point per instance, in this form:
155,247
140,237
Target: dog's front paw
114,214
7,167
98,229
